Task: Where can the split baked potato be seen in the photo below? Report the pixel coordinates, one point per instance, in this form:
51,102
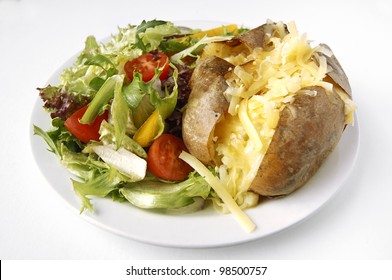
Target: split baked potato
266,109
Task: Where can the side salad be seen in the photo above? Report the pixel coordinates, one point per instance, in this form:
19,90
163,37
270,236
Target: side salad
116,119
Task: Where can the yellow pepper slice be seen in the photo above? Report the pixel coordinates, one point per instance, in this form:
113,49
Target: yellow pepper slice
218,31
150,130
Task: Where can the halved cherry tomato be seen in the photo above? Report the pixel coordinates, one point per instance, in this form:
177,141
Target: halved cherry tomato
163,160
84,132
146,65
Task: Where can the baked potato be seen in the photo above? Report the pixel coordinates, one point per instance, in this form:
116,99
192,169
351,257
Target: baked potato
266,109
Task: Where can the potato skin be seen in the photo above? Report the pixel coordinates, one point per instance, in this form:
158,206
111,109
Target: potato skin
206,104
307,132
258,37
337,73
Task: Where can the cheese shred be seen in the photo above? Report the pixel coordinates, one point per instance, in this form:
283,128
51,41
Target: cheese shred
247,224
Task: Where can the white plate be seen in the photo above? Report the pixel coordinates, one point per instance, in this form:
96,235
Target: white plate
205,228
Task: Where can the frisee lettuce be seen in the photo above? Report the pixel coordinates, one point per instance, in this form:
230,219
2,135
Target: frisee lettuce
99,186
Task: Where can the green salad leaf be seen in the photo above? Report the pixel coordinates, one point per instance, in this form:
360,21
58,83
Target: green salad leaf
99,186
107,133
166,103
102,98
149,34
158,194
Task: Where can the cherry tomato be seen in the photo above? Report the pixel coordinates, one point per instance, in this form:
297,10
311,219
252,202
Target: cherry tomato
146,65
163,160
84,132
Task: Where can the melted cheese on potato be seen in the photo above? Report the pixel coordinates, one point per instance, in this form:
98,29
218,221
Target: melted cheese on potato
260,86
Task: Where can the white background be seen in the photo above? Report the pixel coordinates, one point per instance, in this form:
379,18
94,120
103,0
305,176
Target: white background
36,37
